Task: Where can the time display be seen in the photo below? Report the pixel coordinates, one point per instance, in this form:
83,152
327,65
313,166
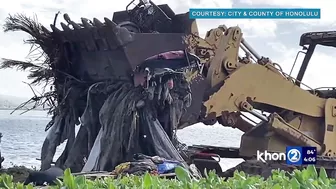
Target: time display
309,155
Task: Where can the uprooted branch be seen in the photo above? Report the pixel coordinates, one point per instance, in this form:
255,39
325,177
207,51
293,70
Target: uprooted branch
44,66
45,100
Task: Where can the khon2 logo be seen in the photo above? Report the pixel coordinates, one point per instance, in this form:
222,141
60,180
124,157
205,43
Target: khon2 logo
294,155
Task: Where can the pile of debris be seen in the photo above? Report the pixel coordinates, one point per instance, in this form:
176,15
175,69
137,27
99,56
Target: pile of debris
119,117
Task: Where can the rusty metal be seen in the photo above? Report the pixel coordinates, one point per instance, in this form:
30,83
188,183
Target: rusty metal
210,119
202,154
228,118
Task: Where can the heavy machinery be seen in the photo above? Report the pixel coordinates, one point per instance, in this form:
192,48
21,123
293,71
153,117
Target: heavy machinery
296,117
223,86
234,84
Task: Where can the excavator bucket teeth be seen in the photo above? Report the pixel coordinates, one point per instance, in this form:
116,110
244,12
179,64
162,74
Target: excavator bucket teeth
107,49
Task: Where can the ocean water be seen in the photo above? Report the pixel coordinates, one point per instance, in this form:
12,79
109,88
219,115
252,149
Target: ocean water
23,136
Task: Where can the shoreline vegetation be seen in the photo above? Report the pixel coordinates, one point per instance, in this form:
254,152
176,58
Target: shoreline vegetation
307,178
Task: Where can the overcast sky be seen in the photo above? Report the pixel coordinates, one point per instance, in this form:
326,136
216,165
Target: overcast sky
277,39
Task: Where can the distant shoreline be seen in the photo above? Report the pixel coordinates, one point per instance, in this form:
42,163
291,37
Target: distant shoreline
8,102
12,109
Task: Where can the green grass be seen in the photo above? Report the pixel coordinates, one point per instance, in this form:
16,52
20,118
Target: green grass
308,178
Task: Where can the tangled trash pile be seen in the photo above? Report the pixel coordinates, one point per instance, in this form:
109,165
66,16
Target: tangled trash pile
141,117
118,117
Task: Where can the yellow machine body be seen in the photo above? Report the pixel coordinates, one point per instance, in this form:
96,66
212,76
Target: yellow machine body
297,117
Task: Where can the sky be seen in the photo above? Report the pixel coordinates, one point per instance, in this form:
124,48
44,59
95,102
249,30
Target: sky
276,39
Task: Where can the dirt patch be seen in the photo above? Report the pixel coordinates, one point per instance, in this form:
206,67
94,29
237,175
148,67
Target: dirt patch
19,173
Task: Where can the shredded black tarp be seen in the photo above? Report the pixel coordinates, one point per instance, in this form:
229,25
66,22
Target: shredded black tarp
130,124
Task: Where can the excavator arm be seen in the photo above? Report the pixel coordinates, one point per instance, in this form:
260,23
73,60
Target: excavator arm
252,84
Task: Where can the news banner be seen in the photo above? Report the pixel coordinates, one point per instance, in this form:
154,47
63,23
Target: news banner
255,13
295,155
